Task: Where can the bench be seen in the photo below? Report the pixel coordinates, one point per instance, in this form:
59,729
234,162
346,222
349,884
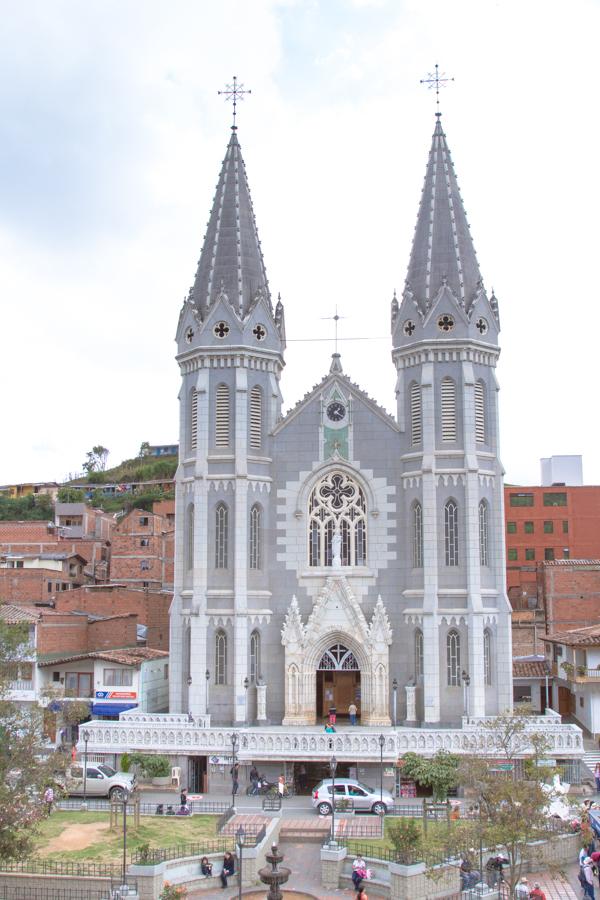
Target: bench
374,886
190,876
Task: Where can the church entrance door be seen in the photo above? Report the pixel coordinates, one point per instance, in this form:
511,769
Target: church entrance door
338,681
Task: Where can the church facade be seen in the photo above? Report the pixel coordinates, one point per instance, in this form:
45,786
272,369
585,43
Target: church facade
337,555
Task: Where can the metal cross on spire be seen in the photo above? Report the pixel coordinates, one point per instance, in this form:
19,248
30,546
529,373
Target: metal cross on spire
335,319
439,80
234,92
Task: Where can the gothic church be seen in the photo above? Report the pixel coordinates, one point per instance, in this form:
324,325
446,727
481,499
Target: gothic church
338,555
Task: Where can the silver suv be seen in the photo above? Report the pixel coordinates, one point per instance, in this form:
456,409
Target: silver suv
359,795
101,781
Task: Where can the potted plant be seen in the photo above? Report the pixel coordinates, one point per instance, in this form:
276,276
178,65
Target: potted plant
581,670
568,668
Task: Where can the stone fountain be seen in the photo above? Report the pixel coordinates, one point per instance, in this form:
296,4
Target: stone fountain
276,875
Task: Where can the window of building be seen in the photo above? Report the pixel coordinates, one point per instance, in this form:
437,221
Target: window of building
117,677
548,527
143,521
453,658
566,553
480,412
189,544
511,527
145,584
448,407
512,553
451,533
222,416
145,565
254,657
337,514
548,553
220,658
417,530
256,418
528,527
520,499
418,655
530,554
166,672
221,536
487,656
416,426
49,587
557,651
555,499
255,537
565,526
193,430
145,542
483,534
78,684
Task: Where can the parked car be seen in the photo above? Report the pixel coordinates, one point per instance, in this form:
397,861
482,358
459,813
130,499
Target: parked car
101,781
362,796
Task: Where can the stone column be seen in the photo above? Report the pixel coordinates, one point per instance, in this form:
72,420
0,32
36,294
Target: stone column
332,861
411,706
261,703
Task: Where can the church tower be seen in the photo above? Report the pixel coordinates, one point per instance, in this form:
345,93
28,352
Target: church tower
445,348
230,344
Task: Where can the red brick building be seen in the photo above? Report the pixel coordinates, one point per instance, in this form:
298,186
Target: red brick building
143,550
39,577
46,537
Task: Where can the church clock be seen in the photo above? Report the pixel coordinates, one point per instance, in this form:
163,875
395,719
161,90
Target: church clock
336,411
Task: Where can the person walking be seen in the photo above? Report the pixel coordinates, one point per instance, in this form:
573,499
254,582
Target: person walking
522,889
49,799
228,868
183,797
302,778
586,878
537,893
254,780
352,710
235,778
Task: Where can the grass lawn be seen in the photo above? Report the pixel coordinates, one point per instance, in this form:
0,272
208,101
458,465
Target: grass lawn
85,836
436,832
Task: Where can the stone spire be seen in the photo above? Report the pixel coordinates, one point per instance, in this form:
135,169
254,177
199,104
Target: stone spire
442,251
231,260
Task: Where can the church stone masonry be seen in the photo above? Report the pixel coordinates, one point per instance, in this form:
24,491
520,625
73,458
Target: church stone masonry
324,554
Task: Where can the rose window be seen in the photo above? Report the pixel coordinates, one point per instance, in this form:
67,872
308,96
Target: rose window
337,522
446,323
409,328
221,329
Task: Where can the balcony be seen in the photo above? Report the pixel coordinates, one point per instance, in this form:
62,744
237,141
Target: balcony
21,689
577,674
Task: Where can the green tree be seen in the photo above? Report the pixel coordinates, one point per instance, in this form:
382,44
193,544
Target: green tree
96,459
70,495
144,449
32,507
440,773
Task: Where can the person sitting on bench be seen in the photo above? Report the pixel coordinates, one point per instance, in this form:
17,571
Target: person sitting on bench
228,868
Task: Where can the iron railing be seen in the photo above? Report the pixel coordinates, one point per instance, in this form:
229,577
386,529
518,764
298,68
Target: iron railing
224,818
97,804
34,866
26,892
181,851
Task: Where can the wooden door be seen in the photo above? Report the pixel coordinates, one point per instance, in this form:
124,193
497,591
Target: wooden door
564,701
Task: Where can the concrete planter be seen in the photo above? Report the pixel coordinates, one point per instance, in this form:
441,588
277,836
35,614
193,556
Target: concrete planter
162,781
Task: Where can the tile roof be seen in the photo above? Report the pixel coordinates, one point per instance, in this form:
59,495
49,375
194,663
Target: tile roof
576,637
13,615
527,668
127,656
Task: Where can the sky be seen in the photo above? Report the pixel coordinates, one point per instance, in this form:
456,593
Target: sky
112,136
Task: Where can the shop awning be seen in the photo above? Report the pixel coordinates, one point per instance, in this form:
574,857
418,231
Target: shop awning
111,709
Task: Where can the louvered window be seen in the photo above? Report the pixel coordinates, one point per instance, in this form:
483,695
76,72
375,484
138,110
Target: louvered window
416,418
220,658
193,420
221,536
453,658
483,534
480,412
255,673
451,533
222,416
255,542
256,418
487,656
448,410
417,536
418,655
189,546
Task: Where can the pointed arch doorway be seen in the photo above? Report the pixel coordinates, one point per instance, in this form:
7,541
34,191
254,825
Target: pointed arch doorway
338,681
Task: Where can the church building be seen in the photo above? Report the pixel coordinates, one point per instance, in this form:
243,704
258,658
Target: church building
338,555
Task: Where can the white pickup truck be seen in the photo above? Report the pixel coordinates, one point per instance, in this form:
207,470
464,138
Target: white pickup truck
101,781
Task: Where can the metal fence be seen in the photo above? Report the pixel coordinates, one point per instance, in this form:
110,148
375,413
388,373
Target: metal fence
224,818
35,866
198,807
180,851
24,892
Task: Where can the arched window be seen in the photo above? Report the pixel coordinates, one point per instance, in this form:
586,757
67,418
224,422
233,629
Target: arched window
416,419
220,657
222,416
255,537
483,534
480,412
254,657
453,658
451,533
193,420
448,410
221,536
417,535
487,656
418,655
337,514
256,418
189,542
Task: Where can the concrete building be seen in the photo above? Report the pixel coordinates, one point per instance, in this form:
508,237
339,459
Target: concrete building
562,470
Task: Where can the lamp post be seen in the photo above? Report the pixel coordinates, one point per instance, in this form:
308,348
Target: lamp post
125,799
241,839
332,769
86,737
234,745
395,700
466,679
207,677
381,746
246,686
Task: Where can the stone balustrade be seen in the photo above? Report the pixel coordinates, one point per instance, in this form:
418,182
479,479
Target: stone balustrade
175,734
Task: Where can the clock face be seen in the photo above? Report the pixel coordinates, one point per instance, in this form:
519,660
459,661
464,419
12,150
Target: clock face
336,411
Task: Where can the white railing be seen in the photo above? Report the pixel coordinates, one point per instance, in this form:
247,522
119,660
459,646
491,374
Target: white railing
20,685
171,735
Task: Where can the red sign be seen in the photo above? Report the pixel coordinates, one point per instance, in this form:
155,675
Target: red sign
122,695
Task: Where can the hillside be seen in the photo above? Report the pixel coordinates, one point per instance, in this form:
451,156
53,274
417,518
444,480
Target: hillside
146,468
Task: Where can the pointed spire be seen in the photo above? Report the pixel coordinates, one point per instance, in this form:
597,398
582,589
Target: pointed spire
231,260
336,364
442,250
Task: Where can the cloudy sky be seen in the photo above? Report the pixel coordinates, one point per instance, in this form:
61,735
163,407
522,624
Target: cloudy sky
111,141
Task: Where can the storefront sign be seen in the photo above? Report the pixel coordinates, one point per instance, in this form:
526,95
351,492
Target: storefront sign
116,695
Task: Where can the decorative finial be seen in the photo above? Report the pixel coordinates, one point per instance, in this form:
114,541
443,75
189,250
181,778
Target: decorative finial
439,80
233,92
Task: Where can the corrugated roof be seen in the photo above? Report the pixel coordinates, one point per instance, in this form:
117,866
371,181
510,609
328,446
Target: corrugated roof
128,656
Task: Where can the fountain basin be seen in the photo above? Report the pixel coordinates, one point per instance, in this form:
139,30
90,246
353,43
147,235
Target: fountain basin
287,895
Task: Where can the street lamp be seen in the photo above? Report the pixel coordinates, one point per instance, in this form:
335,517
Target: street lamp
207,676
332,769
234,745
241,839
246,686
86,737
381,746
395,700
125,799
466,679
